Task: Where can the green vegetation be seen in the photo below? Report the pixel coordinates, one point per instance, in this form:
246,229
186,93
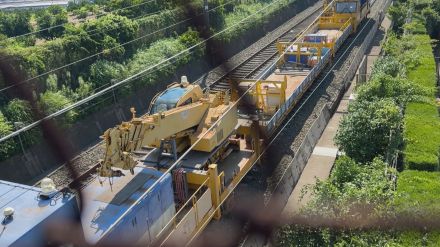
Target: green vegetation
6,128
354,193
409,124
378,120
48,19
419,194
422,137
159,31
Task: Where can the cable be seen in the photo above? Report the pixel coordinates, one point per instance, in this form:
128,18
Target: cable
284,126
159,180
106,50
60,25
128,79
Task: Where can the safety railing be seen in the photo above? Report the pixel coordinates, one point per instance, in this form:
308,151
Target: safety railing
181,213
296,95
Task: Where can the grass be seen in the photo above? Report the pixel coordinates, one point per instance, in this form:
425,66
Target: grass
413,239
422,137
424,73
418,194
422,123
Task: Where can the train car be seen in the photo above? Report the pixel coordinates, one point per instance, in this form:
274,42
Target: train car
303,60
28,210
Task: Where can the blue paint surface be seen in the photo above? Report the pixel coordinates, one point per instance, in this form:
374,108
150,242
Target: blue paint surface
32,214
146,219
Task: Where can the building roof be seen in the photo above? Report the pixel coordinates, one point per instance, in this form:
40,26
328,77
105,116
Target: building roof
17,4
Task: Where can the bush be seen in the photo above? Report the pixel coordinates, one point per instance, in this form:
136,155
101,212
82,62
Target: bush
398,89
102,72
8,147
364,133
353,192
51,102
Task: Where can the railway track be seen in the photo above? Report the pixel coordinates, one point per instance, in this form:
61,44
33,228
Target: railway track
252,67
85,164
326,89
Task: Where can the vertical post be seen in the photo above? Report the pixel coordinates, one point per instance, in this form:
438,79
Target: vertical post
112,81
214,185
18,126
206,14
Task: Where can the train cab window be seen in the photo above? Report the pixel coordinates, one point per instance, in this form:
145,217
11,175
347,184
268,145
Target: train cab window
187,102
347,7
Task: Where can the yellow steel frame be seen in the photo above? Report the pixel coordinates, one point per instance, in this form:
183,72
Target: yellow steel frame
259,93
282,46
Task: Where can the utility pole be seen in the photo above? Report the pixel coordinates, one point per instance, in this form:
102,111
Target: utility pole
206,14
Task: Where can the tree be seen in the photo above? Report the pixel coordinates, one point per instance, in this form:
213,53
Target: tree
50,21
365,131
384,86
102,72
15,23
51,102
398,14
7,148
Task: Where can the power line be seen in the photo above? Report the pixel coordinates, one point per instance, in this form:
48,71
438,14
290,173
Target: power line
106,50
212,126
128,79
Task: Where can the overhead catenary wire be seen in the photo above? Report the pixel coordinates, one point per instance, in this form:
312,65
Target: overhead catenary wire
159,180
280,131
64,24
128,79
106,50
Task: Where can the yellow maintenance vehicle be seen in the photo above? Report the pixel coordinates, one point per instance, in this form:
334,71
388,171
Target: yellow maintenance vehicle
200,183
177,117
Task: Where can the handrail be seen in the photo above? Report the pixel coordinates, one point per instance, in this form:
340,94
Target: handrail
173,219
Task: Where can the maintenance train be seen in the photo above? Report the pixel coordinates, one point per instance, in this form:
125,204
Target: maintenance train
133,199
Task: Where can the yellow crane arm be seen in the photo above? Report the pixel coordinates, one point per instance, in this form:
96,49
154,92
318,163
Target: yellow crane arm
128,137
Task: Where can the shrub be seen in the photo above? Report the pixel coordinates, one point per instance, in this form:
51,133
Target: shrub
364,133
398,89
353,191
7,147
102,72
51,102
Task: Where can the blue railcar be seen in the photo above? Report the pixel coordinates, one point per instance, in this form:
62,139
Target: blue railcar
32,215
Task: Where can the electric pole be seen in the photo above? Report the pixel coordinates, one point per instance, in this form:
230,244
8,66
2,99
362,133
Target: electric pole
206,14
